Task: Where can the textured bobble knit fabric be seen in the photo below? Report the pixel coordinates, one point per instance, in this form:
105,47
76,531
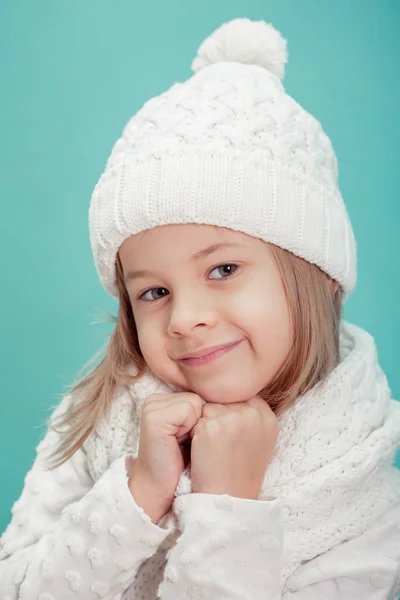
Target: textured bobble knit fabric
326,524
229,147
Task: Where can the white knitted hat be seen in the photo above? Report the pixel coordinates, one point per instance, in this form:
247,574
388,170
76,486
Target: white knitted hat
228,147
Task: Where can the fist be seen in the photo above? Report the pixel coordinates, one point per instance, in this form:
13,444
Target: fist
166,422
232,445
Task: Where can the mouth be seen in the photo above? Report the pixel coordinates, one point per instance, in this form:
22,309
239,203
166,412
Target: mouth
212,357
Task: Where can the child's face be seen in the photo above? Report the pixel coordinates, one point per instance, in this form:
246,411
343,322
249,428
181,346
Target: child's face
189,305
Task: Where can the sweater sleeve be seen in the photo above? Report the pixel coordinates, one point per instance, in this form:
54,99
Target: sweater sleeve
231,549
71,539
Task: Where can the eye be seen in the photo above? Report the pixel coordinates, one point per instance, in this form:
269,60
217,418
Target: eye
142,296
226,266
152,297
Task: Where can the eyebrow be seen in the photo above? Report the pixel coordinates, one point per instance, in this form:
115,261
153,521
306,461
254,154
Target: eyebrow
131,275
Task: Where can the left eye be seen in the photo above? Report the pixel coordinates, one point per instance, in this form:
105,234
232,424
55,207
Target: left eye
228,266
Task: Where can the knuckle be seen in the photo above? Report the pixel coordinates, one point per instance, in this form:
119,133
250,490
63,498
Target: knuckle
252,413
233,418
189,397
256,402
197,404
197,400
191,409
207,410
188,404
202,423
213,426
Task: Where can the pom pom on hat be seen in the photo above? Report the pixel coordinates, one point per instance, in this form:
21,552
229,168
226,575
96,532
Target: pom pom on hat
244,41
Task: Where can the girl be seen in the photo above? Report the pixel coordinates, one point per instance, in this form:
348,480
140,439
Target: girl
237,439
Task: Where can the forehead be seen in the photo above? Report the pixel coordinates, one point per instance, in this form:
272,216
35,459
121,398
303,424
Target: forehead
182,238
172,247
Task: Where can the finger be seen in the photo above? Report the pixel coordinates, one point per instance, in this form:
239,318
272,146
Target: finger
196,428
253,405
173,405
184,438
156,401
173,420
256,400
261,405
238,407
211,410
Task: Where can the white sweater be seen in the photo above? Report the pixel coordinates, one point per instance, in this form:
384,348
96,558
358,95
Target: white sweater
78,536
70,539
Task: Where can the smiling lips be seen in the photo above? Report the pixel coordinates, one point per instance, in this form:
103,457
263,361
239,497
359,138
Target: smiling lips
209,356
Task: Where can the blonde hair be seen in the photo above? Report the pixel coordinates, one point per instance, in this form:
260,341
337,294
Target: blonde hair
315,305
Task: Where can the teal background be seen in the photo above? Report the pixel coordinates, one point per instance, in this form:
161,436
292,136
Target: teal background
73,73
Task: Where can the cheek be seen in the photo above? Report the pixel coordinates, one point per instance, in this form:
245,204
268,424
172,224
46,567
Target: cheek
148,336
271,322
152,345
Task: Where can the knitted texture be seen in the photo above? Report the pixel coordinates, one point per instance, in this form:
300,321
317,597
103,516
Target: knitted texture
332,465
229,148
77,533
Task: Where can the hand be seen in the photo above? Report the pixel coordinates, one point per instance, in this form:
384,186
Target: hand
166,422
232,445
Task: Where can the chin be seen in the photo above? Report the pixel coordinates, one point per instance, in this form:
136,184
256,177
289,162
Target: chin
226,394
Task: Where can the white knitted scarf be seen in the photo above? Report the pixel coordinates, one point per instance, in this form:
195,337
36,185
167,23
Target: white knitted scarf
332,466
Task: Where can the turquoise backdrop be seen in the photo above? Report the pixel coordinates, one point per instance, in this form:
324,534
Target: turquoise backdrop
73,73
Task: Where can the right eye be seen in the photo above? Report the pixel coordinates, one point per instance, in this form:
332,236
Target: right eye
142,296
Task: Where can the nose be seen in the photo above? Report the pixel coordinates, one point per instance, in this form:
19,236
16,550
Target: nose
189,310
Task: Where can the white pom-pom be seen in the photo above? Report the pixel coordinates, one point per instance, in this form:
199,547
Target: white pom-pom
244,41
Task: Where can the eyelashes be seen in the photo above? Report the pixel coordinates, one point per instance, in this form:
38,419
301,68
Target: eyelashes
223,265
